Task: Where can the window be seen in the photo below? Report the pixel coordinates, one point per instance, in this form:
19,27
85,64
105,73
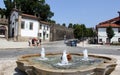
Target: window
44,27
100,40
119,40
47,35
40,34
47,27
40,26
118,30
22,25
31,26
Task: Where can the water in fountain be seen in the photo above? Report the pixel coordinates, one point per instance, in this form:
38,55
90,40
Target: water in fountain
64,60
85,55
43,55
56,62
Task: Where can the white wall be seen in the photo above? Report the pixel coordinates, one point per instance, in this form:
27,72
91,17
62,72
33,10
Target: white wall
116,36
46,30
102,35
26,32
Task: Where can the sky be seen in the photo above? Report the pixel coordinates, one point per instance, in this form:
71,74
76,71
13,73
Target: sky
88,12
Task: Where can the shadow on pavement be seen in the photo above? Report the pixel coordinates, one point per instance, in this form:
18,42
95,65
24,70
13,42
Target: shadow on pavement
19,72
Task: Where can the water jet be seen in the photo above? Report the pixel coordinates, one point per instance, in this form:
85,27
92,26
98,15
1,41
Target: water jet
97,65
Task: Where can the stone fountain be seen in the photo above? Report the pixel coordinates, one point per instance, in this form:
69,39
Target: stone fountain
58,64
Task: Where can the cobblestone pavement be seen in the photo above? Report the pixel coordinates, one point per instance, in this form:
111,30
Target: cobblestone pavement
8,67
10,44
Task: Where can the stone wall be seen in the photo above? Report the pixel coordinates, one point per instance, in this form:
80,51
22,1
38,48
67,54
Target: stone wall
4,25
60,33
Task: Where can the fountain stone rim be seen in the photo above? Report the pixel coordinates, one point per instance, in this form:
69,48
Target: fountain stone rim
23,64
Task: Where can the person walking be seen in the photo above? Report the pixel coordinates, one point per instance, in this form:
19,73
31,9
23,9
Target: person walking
29,42
40,41
37,42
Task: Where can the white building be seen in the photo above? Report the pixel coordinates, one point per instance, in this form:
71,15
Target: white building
101,29
23,27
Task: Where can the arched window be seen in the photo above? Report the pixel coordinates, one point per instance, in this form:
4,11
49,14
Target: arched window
2,30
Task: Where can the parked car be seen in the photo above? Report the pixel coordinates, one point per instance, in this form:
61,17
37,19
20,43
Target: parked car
72,42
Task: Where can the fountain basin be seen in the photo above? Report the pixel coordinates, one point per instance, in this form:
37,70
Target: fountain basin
26,64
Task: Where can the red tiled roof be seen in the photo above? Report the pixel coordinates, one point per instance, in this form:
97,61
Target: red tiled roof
43,22
34,17
107,25
29,16
111,20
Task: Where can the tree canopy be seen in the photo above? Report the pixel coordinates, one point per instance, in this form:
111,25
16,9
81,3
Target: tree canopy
2,12
70,25
64,24
80,31
32,7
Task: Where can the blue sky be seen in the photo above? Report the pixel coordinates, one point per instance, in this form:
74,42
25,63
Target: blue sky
88,12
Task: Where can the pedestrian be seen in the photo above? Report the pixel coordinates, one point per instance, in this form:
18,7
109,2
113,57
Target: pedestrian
37,42
33,42
40,41
29,42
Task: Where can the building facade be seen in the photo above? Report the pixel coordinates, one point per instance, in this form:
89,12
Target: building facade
3,27
101,30
24,27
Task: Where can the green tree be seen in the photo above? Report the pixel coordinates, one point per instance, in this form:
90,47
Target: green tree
52,21
70,25
79,31
89,32
74,26
64,24
110,33
9,6
32,7
83,30
2,12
